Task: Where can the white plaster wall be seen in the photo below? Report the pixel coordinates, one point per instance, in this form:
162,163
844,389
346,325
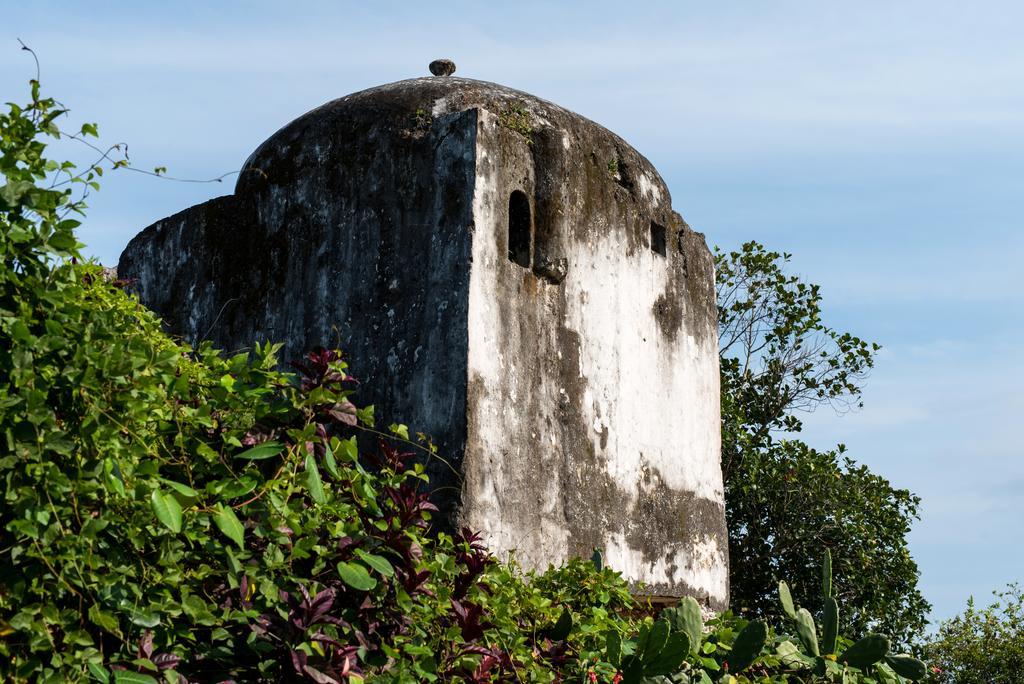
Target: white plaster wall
658,398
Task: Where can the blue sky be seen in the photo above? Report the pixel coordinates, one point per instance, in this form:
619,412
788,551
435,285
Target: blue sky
880,143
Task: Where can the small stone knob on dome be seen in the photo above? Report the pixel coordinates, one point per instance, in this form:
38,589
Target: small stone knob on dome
442,67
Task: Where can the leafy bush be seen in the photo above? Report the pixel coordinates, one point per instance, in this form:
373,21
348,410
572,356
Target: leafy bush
171,513
981,645
679,647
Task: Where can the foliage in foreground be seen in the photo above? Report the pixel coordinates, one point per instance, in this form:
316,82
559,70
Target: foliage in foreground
677,647
172,514
981,645
784,497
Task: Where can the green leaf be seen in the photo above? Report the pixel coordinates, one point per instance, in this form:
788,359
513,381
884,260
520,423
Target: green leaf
709,663
400,430
115,478
184,490
356,576
886,675
907,666
13,192
826,575
234,487
613,647
806,631
790,656
349,449
19,332
98,672
830,625
197,609
748,646
656,640
104,620
146,664
129,677
786,598
672,655
378,563
313,482
560,632
865,652
144,618
228,523
261,451
63,241
167,509
330,463
686,617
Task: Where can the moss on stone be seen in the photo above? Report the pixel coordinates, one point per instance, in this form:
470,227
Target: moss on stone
516,118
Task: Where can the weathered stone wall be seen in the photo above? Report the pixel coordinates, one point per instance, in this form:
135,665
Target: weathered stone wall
361,241
576,395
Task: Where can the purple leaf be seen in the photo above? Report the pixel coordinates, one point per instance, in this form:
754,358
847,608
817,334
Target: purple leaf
343,412
298,660
321,603
319,677
146,644
166,661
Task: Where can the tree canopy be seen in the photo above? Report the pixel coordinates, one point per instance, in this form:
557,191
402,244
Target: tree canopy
981,645
785,498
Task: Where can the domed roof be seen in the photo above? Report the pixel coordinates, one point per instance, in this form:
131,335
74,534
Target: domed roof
368,112
444,95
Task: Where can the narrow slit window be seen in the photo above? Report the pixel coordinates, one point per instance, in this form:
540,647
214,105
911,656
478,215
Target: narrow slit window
658,241
519,229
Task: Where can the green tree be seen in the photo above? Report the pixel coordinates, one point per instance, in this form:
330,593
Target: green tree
981,645
785,499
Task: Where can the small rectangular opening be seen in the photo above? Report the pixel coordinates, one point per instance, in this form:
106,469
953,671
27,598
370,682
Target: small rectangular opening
658,240
519,229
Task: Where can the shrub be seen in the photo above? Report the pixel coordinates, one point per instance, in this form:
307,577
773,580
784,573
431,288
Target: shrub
679,647
981,645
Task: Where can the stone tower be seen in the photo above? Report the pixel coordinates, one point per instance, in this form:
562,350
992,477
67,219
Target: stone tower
502,274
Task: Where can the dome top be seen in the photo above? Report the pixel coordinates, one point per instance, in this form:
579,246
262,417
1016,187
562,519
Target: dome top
397,108
444,95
